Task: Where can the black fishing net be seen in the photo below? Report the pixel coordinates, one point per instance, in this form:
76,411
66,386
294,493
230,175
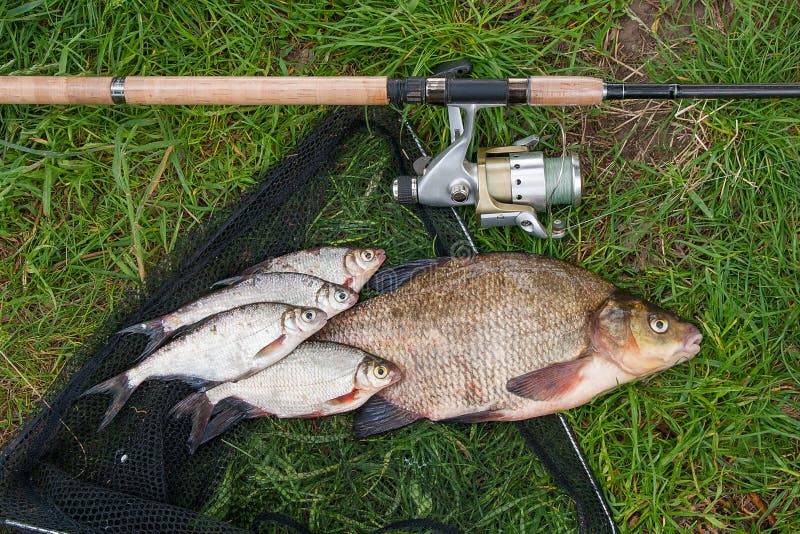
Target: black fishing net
59,474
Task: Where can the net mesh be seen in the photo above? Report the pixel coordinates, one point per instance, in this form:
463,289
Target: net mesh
59,473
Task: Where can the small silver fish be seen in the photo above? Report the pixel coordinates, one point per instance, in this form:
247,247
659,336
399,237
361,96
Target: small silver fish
227,346
289,288
350,267
316,379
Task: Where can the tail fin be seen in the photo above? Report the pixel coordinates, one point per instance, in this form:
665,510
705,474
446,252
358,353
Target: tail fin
120,387
154,329
228,412
200,407
149,328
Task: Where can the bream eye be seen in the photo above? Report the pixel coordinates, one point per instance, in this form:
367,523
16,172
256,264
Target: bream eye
341,296
659,325
380,371
309,315
367,255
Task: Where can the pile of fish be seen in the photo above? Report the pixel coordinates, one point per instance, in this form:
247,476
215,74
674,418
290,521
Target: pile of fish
242,344
493,337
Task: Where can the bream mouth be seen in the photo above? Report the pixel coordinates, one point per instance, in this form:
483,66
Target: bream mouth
691,344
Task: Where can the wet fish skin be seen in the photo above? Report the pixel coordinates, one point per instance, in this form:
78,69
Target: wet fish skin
350,267
227,346
505,336
316,379
295,289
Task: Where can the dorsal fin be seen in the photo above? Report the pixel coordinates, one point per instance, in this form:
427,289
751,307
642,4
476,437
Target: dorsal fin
393,277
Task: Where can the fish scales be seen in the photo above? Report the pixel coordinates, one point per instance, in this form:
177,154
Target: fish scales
350,267
295,289
224,348
316,379
460,331
288,288
311,375
227,346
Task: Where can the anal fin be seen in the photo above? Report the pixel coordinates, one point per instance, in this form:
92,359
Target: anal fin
477,417
228,412
549,383
312,415
268,352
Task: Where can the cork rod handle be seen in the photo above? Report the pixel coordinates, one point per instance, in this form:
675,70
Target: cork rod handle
564,91
279,90
191,90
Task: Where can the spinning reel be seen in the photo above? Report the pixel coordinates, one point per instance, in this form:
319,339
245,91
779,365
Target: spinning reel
507,185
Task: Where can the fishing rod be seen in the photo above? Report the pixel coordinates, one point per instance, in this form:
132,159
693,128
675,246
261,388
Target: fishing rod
508,185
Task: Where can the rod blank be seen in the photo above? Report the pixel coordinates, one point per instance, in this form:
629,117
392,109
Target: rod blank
619,91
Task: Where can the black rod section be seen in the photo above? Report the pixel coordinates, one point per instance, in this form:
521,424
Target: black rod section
445,91
619,91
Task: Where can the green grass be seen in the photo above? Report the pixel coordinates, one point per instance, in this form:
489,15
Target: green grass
695,205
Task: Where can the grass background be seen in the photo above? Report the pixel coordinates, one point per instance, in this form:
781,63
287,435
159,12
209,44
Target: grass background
695,205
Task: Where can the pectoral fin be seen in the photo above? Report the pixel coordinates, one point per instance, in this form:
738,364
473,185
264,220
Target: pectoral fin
549,383
346,398
270,350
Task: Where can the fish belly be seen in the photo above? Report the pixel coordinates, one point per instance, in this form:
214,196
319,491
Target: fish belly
298,385
223,349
